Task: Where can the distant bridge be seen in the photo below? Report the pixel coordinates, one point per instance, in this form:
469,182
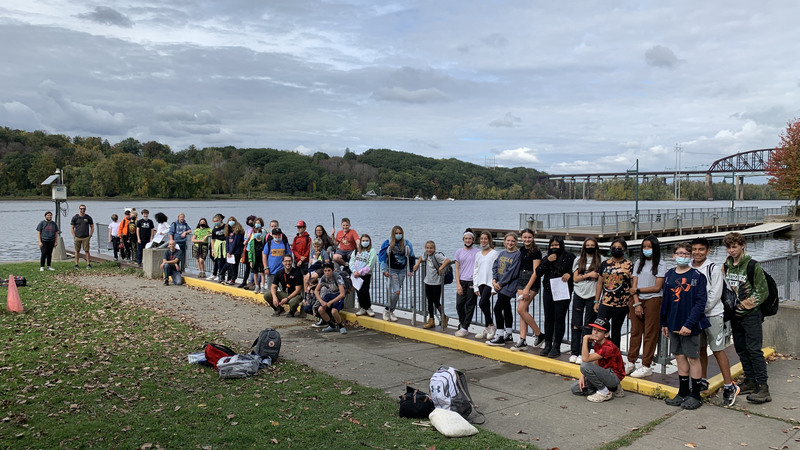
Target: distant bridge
749,162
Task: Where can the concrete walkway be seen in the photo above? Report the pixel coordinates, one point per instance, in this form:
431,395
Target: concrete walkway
520,402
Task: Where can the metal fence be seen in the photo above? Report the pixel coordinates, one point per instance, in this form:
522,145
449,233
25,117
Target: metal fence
605,222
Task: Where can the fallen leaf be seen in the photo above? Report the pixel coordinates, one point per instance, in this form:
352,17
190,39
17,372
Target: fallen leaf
274,441
690,445
701,427
347,391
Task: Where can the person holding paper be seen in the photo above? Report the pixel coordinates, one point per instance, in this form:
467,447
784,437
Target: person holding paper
361,265
555,271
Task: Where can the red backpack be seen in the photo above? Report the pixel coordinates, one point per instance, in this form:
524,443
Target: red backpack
216,351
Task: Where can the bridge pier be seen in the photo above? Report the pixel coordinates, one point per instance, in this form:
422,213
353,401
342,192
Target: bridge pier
739,187
709,187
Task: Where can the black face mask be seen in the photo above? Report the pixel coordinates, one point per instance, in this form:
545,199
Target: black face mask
590,250
617,252
555,251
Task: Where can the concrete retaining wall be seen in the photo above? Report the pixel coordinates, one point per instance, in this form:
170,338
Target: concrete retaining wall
782,330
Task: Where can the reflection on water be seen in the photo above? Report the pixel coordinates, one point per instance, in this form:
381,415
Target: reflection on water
440,221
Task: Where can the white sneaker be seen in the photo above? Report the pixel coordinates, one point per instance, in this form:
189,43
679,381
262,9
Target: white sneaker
573,358
642,372
41,269
461,332
211,278
392,317
629,368
386,315
50,268
370,312
481,336
597,397
579,360
490,332
361,312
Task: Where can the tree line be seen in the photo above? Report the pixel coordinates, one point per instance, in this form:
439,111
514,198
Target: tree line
94,167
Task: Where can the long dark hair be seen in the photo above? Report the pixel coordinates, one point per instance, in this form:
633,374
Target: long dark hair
584,256
656,258
533,246
327,241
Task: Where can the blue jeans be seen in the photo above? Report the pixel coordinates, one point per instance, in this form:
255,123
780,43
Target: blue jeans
397,279
170,270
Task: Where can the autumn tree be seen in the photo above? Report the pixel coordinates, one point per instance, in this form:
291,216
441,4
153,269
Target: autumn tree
784,164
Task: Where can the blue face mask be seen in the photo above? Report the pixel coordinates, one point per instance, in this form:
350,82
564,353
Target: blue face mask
258,235
398,237
683,260
231,223
647,252
258,225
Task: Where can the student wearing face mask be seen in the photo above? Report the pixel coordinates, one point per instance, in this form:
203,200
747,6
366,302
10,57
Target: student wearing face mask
648,279
613,292
435,264
247,279
556,265
218,239
682,319
255,247
361,265
397,259
234,247
585,274
200,238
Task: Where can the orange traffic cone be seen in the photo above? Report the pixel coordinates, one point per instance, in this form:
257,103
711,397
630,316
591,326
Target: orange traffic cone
14,304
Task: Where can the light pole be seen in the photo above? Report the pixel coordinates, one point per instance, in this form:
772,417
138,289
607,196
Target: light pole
636,197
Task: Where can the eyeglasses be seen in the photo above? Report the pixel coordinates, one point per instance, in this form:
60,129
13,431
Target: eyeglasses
82,209
683,254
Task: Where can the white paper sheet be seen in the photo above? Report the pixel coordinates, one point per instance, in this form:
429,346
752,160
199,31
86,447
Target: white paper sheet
230,259
357,282
560,289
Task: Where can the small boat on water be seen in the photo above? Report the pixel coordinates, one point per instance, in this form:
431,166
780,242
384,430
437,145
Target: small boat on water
434,198
450,199
418,198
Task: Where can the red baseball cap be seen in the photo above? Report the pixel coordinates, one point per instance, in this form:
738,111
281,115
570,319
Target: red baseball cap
300,223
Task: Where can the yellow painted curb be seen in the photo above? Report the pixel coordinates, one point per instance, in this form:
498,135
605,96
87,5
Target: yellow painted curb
472,346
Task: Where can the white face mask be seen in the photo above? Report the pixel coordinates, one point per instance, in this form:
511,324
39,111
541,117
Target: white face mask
365,243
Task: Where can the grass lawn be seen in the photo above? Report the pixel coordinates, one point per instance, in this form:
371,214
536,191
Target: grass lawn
79,369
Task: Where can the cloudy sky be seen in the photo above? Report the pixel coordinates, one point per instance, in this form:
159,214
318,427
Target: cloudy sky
559,86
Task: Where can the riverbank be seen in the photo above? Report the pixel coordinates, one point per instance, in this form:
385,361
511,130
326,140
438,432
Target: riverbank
531,407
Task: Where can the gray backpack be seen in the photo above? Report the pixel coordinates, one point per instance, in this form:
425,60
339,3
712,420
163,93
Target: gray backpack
267,345
238,366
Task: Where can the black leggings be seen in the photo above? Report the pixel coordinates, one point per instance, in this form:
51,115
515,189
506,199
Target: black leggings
502,311
233,268
555,316
47,253
433,292
364,299
617,316
485,303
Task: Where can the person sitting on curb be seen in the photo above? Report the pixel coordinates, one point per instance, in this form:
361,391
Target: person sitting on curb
287,287
601,370
171,264
330,295
682,320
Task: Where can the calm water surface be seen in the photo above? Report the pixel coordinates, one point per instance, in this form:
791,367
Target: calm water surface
440,221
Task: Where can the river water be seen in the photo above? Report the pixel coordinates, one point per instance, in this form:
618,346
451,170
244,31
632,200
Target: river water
441,221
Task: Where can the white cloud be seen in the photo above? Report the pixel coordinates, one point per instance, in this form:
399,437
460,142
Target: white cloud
398,94
523,156
660,56
508,121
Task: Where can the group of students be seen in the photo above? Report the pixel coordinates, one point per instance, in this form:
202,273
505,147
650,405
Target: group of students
682,304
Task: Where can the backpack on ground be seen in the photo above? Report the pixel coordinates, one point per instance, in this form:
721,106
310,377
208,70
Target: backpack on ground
238,366
449,391
415,404
216,351
267,345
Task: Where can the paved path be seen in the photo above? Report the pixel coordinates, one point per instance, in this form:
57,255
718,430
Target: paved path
519,402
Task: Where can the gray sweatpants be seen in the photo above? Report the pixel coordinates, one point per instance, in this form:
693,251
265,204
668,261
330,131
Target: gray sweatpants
596,378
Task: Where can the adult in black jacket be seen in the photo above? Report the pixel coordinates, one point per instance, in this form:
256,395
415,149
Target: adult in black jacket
557,265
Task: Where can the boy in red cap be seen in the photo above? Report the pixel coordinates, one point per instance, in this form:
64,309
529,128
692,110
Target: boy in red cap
601,370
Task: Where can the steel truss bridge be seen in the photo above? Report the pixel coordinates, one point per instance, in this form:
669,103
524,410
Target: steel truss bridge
751,162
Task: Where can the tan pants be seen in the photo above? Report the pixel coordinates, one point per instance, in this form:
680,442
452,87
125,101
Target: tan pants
646,328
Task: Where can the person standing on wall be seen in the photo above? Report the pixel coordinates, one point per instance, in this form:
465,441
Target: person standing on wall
47,232
82,227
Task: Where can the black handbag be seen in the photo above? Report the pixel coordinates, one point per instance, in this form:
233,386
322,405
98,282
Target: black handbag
415,404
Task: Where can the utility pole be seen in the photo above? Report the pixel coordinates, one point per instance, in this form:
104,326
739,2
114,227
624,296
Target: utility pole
678,151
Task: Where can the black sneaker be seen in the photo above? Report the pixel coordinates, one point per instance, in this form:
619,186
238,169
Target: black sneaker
166,282
88,266
277,312
77,267
498,340
729,395
520,346
537,341
703,385
320,324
